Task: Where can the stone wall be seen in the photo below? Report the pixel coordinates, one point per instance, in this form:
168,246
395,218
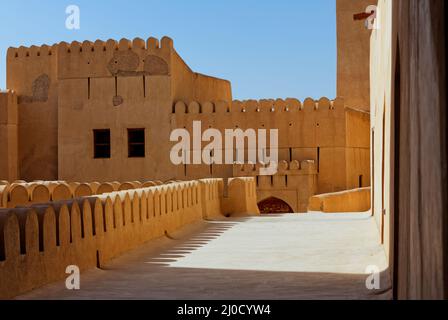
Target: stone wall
356,200
409,121
294,183
9,166
38,243
323,131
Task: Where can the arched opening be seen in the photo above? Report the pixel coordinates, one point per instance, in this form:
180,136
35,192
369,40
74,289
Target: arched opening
274,206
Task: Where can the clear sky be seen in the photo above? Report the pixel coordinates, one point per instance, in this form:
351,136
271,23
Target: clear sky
266,48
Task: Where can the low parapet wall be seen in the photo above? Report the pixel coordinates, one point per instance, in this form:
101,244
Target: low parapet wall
38,243
356,200
22,194
242,198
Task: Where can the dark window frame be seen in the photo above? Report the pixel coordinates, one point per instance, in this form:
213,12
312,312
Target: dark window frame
99,142
136,149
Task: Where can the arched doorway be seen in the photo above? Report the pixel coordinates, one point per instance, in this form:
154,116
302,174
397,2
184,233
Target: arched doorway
274,206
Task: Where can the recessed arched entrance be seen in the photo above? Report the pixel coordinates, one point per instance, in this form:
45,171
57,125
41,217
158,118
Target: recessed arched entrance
274,206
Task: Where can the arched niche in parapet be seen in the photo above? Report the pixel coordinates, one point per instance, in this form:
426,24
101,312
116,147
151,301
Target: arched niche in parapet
18,196
87,47
40,194
150,203
107,207
157,202
106,187
180,107
34,51
75,47
76,230
194,108
87,218
208,107
128,214
152,43
221,107
99,46
324,107
63,234
293,104
124,44
138,44
47,227
237,106
61,192
279,105
118,212
29,231
83,190
10,235
143,199
309,105
251,106
266,105
126,186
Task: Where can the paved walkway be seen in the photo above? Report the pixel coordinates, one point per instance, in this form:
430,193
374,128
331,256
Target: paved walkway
310,256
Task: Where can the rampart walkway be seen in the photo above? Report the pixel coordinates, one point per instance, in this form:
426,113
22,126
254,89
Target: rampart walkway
311,256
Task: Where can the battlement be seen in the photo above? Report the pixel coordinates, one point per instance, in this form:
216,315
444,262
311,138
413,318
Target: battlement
266,105
39,242
293,168
150,44
31,52
102,58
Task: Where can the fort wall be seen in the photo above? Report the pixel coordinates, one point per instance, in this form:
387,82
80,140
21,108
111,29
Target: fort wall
323,130
294,183
32,74
9,166
353,54
39,243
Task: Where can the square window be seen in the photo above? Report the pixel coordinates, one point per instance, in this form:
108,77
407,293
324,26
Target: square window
136,143
101,144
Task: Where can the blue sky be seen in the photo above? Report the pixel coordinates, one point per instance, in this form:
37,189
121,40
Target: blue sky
267,49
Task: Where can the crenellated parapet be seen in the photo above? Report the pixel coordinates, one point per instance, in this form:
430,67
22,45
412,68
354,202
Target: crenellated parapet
39,242
101,58
260,106
114,58
284,168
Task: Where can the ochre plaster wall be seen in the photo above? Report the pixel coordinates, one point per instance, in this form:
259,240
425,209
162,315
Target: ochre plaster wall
353,54
356,200
9,166
38,243
32,74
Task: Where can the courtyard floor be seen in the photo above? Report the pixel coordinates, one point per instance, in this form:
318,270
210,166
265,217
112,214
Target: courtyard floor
309,256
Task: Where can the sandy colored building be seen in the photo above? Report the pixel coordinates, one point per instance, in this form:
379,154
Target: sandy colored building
104,111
